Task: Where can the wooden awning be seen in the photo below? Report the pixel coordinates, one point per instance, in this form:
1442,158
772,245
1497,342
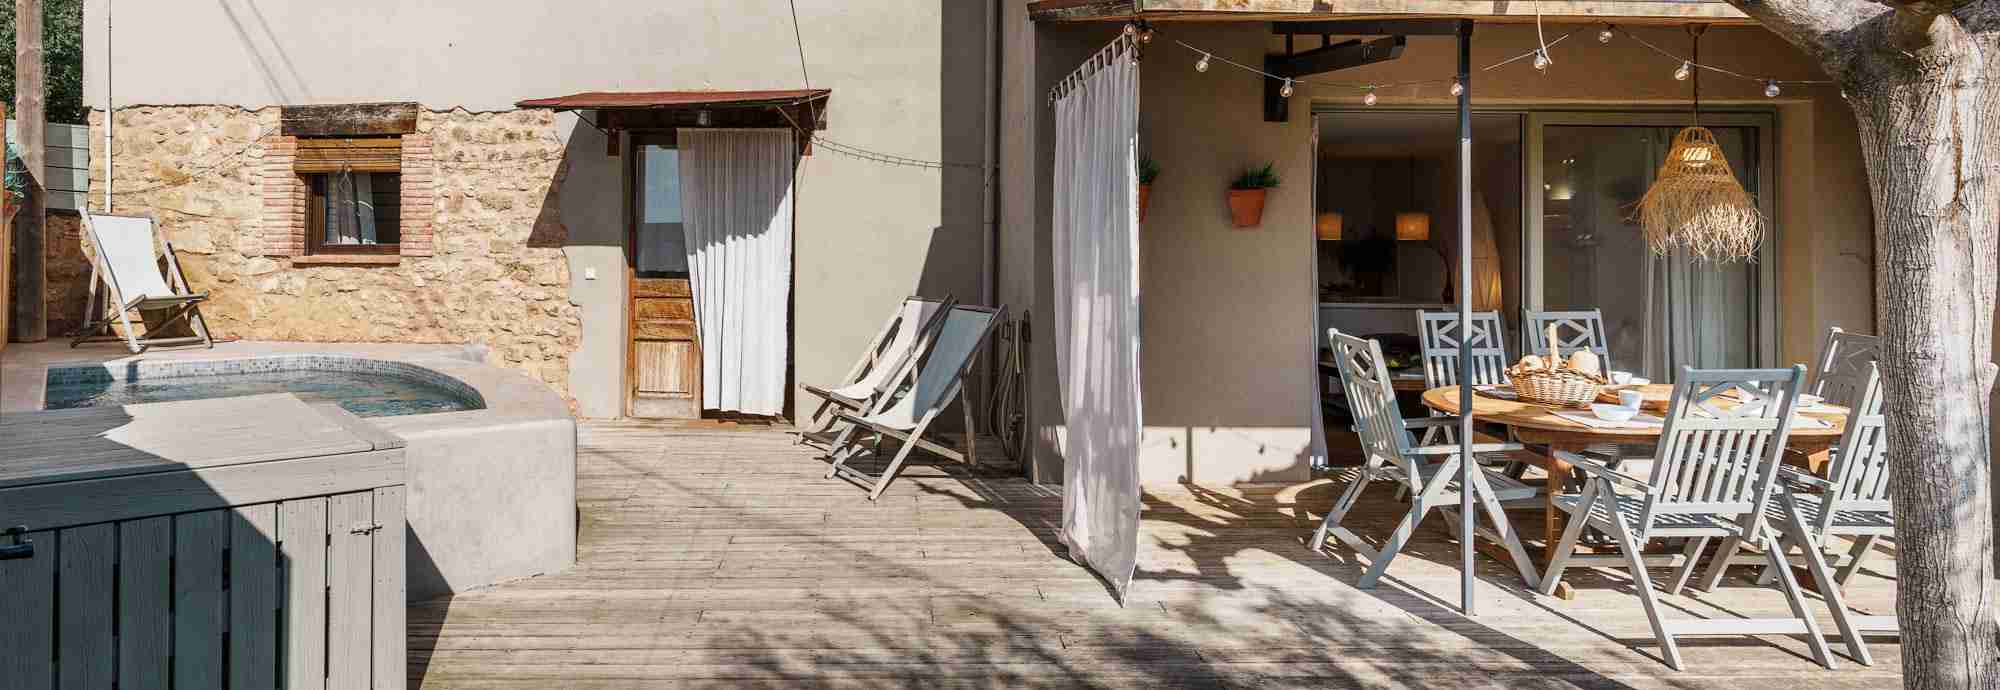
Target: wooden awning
1623,11
644,100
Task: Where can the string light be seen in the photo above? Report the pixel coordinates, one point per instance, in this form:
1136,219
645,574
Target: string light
1131,29
1146,34
1771,89
1604,36
1370,98
1686,70
1286,90
1457,88
1542,61
1202,64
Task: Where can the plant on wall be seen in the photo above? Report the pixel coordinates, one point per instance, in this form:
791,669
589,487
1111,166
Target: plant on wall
1149,170
17,178
1246,195
1257,178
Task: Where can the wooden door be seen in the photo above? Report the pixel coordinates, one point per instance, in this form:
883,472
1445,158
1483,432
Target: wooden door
665,371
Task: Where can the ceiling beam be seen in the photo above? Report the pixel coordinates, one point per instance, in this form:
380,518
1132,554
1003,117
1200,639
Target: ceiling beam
1390,27
1343,55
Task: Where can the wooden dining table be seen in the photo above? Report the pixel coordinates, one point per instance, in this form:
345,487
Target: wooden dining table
1537,424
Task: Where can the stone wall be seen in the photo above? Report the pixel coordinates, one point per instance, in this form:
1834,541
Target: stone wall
67,272
497,277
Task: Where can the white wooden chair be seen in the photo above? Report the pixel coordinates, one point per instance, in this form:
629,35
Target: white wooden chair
1429,472
1846,362
913,324
127,267
919,396
1575,330
1440,339
1852,502
1713,476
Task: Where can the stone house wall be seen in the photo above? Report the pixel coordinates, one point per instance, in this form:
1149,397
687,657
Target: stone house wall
494,274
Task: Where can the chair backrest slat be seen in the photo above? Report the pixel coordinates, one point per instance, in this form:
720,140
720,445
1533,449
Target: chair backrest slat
1860,468
1372,398
1574,330
1724,438
913,320
1441,337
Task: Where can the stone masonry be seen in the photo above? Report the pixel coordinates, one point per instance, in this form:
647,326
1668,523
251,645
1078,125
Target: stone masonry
494,274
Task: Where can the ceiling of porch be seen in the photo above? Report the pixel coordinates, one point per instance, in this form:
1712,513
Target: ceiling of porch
1623,11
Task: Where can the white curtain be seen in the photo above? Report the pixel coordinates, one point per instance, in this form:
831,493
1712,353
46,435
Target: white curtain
1096,247
350,213
736,204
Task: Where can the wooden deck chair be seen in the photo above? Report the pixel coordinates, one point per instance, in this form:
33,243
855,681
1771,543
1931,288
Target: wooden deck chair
887,357
923,393
1439,337
1714,474
1853,503
127,267
1430,473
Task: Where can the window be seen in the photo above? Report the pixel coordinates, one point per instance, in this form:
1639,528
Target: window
353,194
658,238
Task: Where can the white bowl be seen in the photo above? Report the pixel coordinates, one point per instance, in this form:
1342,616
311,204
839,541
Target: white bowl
1621,377
1612,413
1639,381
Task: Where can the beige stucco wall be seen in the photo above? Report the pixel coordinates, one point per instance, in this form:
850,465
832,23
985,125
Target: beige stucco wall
907,79
1227,313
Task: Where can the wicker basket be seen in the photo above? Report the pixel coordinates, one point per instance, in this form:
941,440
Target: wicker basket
1565,387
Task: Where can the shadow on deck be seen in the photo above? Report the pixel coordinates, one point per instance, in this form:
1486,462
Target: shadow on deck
723,557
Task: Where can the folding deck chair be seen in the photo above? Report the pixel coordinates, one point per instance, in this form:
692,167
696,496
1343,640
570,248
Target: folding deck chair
919,397
127,267
1429,472
886,358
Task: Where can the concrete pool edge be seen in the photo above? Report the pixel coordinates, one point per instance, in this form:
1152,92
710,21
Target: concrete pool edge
492,492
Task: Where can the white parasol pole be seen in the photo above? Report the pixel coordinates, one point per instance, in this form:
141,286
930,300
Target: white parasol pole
1466,465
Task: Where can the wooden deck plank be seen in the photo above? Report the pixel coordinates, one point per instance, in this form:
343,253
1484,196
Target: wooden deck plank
717,557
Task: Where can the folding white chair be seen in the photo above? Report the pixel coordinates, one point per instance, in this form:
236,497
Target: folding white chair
1713,475
1440,339
1575,330
1853,503
919,397
1430,472
127,268
888,356
1846,362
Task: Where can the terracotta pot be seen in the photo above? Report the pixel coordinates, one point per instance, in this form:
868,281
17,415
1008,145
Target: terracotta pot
1246,207
1145,193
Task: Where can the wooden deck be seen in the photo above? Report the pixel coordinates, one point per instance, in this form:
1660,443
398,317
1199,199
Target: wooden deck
717,557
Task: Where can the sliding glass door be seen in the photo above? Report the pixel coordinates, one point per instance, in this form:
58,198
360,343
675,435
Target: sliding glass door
1586,174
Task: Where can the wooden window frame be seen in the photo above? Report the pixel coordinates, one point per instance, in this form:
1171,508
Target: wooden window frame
371,154
316,224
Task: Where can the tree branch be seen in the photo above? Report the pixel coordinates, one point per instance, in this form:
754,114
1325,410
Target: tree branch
1815,26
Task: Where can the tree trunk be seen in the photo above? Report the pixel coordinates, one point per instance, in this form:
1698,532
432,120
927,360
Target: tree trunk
1924,97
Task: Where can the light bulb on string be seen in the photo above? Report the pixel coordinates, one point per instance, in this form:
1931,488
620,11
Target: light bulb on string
1684,71
1146,34
1457,88
1286,90
1202,64
1604,35
1542,60
1369,98
1131,29
1771,89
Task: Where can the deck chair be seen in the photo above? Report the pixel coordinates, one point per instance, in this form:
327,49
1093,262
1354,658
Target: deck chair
1439,338
127,268
889,355
1429,472
1853,503
1714,474
921,394
1846,361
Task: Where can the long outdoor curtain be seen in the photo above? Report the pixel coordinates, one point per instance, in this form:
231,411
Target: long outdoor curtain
736,200
1096,247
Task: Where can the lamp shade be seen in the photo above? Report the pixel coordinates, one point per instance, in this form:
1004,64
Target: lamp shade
1413,225
1328,226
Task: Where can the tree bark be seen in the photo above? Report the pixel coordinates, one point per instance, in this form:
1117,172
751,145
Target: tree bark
1920,77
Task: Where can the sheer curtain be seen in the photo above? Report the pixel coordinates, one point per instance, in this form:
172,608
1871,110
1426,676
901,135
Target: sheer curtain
736,205
350,200
1096,247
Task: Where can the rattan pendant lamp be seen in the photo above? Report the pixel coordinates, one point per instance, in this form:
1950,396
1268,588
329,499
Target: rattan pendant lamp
1695,204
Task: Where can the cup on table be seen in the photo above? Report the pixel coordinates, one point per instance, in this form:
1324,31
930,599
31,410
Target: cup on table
1621,377
1630,399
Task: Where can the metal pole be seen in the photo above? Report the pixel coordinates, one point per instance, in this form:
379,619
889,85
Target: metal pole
1467,466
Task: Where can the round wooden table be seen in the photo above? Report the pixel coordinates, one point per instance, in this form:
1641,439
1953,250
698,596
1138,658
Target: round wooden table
1537,424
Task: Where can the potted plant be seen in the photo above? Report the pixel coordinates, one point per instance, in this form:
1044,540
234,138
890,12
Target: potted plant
1148,171
1246,195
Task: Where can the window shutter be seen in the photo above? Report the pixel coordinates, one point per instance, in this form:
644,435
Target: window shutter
359,154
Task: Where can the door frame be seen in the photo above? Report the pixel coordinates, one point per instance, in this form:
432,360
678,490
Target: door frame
628,374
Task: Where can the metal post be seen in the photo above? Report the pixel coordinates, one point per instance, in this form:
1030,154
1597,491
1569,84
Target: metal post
1467,466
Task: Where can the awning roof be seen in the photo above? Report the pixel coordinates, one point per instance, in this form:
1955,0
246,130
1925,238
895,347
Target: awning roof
639,100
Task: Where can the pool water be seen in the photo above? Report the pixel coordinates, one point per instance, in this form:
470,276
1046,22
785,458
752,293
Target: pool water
366,394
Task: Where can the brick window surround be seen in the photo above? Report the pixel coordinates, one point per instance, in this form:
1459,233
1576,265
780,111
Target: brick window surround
284,216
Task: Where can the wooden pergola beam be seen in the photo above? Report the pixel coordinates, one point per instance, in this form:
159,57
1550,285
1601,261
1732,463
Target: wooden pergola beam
1621,11
1368,27
1330,58
30,323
